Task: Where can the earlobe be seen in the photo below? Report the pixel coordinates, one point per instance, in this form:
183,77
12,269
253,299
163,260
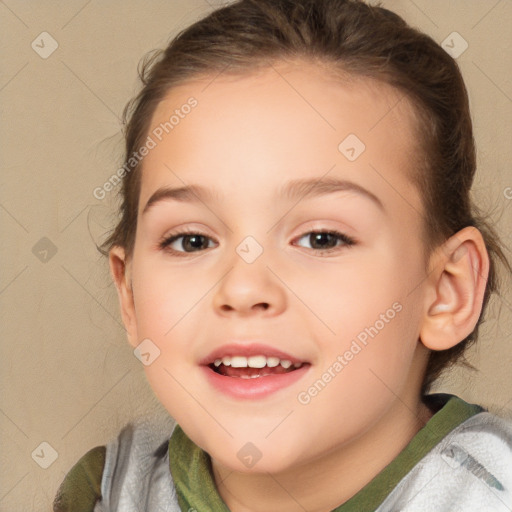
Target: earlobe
456,290
119,268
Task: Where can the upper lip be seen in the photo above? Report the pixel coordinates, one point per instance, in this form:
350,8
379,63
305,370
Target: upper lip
247,350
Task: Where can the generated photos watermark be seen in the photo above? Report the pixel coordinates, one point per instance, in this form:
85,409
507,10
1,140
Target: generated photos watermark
151,142
342,360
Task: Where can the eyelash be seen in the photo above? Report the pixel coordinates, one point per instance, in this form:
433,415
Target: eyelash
168,240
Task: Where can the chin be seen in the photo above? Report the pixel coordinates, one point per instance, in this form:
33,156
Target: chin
254,458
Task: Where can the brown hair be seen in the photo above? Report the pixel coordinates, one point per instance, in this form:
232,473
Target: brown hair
351,37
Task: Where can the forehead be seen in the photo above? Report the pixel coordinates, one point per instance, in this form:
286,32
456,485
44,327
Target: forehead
281,122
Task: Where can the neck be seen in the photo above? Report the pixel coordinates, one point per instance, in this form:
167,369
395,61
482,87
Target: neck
335,476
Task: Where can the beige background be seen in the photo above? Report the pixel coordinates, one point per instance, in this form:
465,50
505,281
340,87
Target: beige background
68,377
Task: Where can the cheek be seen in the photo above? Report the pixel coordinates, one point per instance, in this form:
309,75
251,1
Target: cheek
360,376
164,297
353,295
374,322
168,305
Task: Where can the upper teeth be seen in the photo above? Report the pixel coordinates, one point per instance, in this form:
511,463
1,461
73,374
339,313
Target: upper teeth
254,362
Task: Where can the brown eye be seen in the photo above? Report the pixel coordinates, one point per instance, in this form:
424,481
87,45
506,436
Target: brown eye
327,240
186,242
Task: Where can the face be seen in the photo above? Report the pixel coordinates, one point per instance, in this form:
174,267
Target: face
299,255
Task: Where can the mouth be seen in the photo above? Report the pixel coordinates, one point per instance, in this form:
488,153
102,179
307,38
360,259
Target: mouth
252,371
252,367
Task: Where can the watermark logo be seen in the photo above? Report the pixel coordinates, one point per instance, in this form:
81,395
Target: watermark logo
249,454
45,455
44,45
455,45
44,250
146,352
351,147
249,249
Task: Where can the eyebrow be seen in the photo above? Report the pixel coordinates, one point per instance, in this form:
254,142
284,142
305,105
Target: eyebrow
293,190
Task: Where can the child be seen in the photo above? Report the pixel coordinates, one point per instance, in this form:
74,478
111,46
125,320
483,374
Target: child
298,371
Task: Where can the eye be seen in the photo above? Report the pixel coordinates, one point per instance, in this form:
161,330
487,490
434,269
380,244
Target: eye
190,241
185,242
327,241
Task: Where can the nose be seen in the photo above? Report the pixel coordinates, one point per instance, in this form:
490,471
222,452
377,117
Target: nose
249,289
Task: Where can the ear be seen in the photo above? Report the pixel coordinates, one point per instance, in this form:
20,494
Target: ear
119,268
456,288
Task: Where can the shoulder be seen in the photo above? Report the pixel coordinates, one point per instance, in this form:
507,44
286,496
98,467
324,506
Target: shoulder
81,488
139,448
137,473
469,469
484,440
130,470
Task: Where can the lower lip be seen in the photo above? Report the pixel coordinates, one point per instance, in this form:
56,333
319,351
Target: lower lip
259,387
